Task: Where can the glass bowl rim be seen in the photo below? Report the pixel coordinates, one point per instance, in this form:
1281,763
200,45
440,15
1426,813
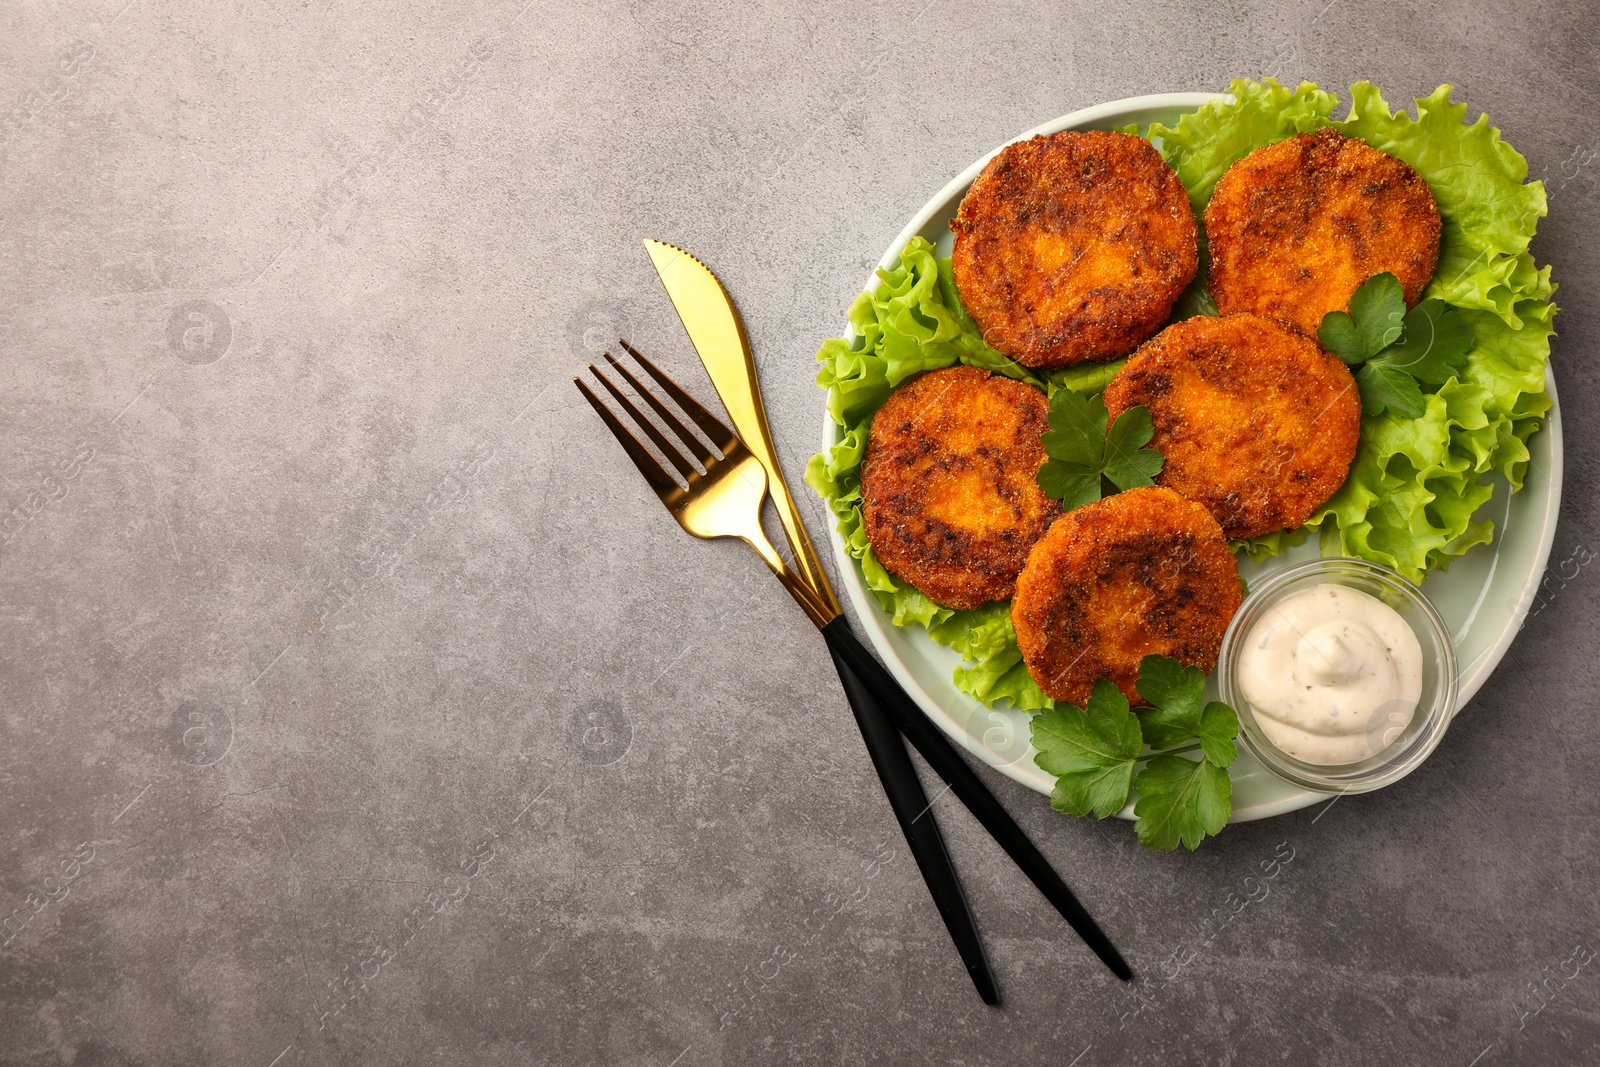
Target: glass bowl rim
1340,778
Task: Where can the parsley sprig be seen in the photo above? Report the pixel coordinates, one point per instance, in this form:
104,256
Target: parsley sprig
1082,452
1397,348
1093,752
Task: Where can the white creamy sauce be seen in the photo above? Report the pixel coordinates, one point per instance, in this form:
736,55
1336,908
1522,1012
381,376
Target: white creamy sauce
1333,674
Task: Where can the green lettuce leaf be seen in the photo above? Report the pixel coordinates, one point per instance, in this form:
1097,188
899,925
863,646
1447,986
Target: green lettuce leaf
994,669
1206,142
1268,545
1089,378
902,329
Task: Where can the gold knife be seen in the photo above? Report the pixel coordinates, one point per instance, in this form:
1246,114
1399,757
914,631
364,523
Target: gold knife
714,325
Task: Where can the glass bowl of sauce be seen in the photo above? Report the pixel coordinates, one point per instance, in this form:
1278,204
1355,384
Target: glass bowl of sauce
1343,675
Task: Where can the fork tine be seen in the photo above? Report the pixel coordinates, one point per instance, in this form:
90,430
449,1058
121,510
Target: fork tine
701,452
674,457
720,435
653,472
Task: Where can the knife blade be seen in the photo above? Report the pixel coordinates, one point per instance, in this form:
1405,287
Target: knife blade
716,329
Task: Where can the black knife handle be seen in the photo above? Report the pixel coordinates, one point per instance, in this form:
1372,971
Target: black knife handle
912,809
942,756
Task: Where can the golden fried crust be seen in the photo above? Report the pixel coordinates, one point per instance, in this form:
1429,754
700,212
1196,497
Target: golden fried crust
1140,573
1293,228
1256,422
1072,248
947,486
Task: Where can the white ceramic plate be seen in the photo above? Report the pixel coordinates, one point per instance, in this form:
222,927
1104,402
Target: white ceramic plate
1484,596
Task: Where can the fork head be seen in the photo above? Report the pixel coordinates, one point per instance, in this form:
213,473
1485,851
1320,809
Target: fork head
718,489
713,491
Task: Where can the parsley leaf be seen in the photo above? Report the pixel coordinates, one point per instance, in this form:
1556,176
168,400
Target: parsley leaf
1092,752
1435,344
1077,424
1399,348
1128,463
1180,800
1175,693
1219,725
1081,450
1074,484
1384,385
1374,321
1178,712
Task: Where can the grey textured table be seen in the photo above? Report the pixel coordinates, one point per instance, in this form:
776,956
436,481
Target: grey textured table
359,704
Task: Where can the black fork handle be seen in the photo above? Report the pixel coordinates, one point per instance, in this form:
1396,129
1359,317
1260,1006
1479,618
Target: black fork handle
915,813
942,756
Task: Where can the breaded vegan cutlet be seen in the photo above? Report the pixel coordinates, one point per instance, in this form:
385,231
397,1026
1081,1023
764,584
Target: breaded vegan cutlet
948,488
1140,573
1294,228
1072,248
1254,420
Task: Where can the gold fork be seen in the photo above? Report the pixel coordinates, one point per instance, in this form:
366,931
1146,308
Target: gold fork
722,500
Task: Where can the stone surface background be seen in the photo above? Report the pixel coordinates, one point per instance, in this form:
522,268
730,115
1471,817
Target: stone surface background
359,705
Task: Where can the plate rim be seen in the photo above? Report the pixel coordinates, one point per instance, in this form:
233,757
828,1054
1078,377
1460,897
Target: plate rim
874,621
